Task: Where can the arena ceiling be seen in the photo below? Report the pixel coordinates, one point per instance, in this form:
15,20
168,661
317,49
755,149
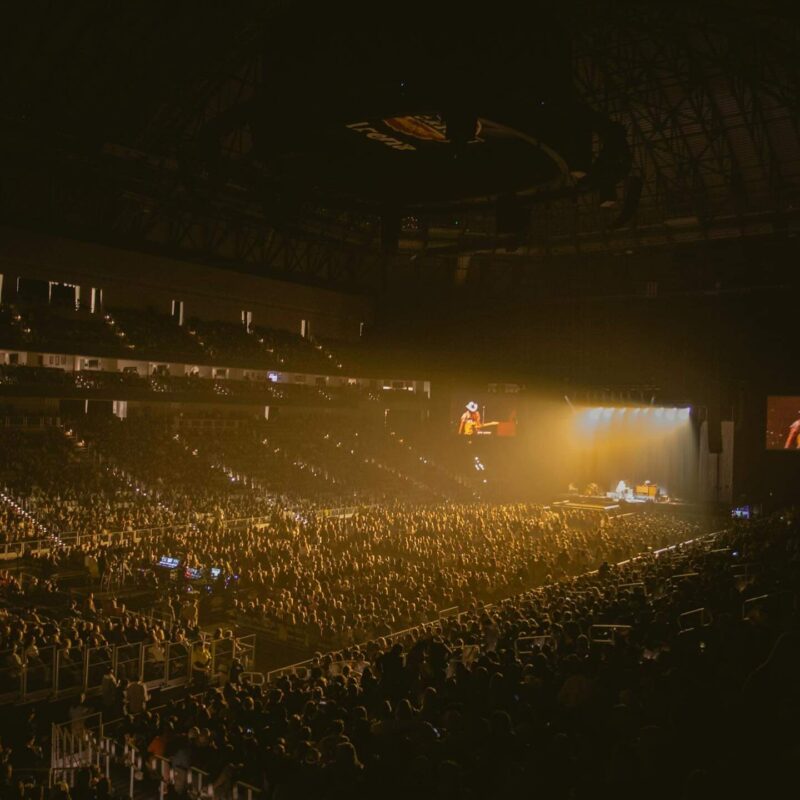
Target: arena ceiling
245,135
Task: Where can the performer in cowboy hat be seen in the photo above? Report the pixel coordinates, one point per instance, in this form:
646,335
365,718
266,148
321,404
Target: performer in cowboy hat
470,420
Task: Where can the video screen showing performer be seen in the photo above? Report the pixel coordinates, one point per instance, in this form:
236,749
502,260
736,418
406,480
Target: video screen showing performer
493,418
470,422
783,423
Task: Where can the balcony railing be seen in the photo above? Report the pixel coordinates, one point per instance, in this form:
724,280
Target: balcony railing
55,672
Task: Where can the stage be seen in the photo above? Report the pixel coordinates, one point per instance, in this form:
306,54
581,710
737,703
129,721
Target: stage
624,499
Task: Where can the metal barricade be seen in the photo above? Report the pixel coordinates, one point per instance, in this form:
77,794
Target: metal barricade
51,671
525,645
222,654
299,669
608,634
128,661
179,663
12,550
696,618
683,576
155,663
744,573
245,791
76,745
244,649
69,670
97,661
777,605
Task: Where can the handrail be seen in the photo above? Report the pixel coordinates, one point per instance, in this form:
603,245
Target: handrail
197,778
29,421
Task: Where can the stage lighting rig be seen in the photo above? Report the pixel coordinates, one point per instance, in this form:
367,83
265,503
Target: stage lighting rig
427,116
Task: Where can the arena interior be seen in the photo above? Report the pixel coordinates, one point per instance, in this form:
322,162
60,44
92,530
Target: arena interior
398,402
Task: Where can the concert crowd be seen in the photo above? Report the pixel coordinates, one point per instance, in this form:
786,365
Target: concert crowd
690,689
453,649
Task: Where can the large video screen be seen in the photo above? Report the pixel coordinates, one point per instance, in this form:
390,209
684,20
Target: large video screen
783,423
483,414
